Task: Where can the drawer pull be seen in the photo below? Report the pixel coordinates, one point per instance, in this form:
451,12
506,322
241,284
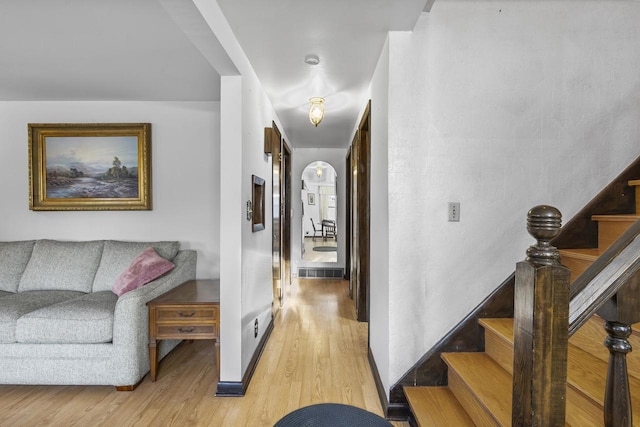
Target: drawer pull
183,314
186,330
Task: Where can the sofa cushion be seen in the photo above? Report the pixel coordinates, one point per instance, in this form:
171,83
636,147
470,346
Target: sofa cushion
118,255
145,267
84,319
12,307
5,293
66,266
14,257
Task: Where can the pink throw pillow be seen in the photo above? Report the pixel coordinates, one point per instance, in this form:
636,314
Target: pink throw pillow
145,267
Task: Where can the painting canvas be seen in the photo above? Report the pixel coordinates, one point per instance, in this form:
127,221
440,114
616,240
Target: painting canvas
90,166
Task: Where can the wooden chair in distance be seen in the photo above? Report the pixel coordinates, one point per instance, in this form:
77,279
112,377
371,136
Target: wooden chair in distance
329,229
315,230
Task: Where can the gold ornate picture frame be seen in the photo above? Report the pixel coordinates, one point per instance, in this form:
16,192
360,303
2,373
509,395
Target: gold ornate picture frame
89,166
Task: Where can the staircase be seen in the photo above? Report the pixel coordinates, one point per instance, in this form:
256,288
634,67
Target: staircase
479,391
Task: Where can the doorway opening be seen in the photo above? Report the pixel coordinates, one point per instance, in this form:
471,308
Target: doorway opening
319,213
281,213
359,159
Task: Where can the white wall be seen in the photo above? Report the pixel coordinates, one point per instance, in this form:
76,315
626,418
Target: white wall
500,106
185,182
379,217
231,224
301,159
246,275
257,288
246,280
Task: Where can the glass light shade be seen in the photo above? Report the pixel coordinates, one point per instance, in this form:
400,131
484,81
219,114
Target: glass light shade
316,112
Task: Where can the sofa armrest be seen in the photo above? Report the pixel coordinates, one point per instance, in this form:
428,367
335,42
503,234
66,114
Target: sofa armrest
130,323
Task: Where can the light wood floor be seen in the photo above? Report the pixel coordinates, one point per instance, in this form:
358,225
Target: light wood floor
317,353
316,256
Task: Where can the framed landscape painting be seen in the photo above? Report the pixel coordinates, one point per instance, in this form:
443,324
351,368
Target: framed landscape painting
89,166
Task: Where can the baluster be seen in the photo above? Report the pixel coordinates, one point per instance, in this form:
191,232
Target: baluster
619,313
541,324
617,398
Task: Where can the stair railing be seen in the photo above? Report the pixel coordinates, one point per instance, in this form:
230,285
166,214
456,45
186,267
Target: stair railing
547,313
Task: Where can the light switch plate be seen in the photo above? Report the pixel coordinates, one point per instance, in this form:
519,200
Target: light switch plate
454,211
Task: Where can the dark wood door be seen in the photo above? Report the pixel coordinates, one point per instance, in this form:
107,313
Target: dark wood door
354,282
349,174
286,218
276,144
363,227
360,156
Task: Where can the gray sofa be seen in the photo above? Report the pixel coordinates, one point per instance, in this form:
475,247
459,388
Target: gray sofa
60,323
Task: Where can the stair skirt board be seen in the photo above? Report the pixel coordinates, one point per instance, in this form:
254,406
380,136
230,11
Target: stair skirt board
320,273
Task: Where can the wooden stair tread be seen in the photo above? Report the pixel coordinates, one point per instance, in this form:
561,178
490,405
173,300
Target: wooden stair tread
611,227
486,380
616,217
581,410
590,337
586,372
436,407
502,326
492,386
589,254
483,385
578,260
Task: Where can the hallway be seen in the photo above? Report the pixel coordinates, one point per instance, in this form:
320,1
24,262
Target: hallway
316,353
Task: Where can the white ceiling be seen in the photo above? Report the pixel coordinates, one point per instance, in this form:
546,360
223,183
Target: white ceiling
138,50
347,35
98,50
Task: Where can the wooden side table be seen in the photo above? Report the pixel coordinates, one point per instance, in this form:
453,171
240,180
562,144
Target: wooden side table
190,311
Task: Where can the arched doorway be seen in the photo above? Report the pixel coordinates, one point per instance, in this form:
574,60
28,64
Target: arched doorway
319,213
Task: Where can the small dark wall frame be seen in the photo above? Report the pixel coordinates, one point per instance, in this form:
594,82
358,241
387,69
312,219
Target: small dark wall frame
257,202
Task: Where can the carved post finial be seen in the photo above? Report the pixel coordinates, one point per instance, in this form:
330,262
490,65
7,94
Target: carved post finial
543,224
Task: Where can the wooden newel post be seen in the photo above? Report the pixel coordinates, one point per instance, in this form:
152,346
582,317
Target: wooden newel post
541,325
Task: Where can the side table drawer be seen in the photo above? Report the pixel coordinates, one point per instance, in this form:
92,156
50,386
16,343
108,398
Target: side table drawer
187,331
176,313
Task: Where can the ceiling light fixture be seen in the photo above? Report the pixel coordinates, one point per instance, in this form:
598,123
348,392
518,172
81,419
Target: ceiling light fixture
316,112
319,171
312,59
